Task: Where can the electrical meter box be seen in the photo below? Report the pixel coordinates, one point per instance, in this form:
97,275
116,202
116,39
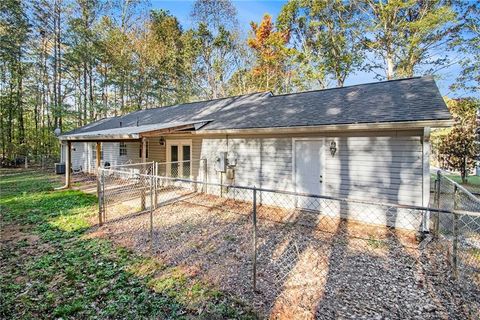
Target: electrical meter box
221,162
232,159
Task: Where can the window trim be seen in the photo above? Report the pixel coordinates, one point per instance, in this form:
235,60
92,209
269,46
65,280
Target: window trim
122,149
180,144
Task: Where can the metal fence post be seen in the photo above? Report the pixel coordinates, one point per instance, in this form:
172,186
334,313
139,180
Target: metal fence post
205,175
151,214
155,171
436,222
455,232
142,192
254,220
104,208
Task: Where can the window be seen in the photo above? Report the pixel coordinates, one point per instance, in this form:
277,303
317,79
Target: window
174,158
186,158
179,158
94,152
140,150
123,149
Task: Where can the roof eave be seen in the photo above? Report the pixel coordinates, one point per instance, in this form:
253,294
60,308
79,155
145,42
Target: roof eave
102,137
336,127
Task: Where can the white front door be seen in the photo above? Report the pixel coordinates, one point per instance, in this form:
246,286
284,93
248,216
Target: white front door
179,158
309,157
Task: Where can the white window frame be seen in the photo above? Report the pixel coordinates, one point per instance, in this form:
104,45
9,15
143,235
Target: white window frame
122,149
180,144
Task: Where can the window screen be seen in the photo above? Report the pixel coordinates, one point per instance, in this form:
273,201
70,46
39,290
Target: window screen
123,149
186,163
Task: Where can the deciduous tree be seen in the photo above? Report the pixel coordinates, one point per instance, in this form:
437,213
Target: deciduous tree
407,35
325,34
271,70
457,148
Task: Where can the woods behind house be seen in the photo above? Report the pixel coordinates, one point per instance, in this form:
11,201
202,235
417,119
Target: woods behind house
66,63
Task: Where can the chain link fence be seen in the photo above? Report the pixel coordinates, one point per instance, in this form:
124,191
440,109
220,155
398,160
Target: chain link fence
292,254
456,227
135,168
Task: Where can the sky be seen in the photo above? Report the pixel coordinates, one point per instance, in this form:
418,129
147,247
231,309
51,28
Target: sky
249,10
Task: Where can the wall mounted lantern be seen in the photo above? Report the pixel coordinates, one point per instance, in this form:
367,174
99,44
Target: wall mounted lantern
162,141
333,148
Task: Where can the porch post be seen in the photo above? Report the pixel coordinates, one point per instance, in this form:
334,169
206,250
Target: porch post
68,165
144,150
99,153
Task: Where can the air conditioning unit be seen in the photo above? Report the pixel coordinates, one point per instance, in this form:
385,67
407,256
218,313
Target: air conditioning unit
60,168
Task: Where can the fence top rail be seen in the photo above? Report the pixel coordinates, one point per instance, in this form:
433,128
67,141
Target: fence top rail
131,164
383,204
170,162
463,189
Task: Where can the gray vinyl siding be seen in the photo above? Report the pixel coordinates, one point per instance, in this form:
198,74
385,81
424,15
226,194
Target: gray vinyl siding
387,167
384,168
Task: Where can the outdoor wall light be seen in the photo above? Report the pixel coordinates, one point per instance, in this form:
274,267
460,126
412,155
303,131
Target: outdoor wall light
333,148
162,141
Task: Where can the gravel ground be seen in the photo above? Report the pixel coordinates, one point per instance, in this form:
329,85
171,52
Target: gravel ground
308,266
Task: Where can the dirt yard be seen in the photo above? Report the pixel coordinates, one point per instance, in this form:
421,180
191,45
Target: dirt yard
308,265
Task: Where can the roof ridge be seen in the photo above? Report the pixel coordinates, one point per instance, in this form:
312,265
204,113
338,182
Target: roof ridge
351,86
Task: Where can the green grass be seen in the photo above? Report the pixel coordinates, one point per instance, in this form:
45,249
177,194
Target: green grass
375,243
50,268
473,182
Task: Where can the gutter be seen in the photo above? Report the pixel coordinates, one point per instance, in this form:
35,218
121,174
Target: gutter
106,137
401,125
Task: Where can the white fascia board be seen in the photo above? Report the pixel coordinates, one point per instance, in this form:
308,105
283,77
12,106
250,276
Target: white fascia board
340,127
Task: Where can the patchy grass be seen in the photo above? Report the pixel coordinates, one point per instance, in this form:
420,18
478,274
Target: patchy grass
376,243
51,268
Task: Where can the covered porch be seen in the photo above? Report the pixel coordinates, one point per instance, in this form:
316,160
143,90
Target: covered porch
170,142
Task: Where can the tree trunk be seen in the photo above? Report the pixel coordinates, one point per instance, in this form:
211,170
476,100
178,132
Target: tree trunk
84,93
90,89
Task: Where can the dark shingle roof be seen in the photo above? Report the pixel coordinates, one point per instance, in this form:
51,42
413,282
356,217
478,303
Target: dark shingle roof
412,99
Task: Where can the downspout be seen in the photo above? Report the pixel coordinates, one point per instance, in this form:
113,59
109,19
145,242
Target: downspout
425,141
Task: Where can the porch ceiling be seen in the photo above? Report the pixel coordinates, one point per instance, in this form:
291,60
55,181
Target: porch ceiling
135,132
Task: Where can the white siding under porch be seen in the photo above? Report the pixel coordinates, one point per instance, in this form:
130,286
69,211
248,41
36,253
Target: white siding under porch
84,154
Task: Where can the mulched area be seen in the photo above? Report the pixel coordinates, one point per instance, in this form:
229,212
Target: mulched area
308,265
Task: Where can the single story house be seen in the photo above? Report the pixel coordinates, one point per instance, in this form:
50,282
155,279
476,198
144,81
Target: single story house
368,141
